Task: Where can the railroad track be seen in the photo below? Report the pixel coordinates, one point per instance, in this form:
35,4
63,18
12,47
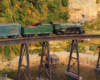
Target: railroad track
22,40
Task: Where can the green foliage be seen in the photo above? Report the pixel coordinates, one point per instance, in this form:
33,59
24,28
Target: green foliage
93,47
57,3
35,51
67,48
99,46
38,44
97,1
17,47
14,2
97,23
2,7
9,18
52,17
43,20
38,6
28,22
6,70
65,2
26,5
22,2
1,49
64,15
20,15
2,15
7,52
87,26
14,49
51,7
82,49
92,26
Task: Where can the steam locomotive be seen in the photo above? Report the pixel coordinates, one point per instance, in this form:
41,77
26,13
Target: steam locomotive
13,30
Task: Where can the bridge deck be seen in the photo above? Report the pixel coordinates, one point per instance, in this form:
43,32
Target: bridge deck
47,38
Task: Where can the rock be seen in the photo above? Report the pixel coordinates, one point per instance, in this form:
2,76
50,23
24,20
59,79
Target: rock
89,8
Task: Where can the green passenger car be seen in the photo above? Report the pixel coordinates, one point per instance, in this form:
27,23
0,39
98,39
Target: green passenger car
41,29
12,30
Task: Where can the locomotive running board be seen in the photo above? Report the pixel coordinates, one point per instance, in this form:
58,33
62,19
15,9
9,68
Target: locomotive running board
69,72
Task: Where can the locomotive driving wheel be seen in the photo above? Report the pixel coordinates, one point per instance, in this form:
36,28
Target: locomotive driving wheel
63,32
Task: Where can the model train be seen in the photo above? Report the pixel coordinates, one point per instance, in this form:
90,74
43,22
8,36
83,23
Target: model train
13,30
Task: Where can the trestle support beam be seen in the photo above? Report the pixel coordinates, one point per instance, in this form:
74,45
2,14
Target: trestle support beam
45,64
24,52
68,72
98,63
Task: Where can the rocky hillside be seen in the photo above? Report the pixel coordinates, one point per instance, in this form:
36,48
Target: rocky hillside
89,8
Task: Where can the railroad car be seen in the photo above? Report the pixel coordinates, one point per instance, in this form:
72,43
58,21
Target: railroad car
67,28
12,30
42,29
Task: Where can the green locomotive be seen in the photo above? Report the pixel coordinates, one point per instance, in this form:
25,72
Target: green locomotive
67,28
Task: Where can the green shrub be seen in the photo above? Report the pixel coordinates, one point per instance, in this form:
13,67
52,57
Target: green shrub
43,20
99,46
92,27
14,2
93,47
6,70
86,25
9,18
57,3
2,15
39,6
14,49
64,15
97,1
52,17
7,52
2,7
28,22
67,48
17,47
22,2
38,44
35,51
97,23
1,49
65,2
51,7
82,49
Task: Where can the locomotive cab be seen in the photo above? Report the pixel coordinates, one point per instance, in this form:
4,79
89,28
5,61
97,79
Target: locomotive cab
56,27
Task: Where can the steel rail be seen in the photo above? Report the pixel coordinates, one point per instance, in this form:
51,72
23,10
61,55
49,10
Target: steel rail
47,38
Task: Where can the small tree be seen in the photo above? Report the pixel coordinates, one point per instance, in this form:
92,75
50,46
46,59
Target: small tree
65,2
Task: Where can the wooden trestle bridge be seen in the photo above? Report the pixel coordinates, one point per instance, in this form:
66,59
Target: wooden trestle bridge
45,39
